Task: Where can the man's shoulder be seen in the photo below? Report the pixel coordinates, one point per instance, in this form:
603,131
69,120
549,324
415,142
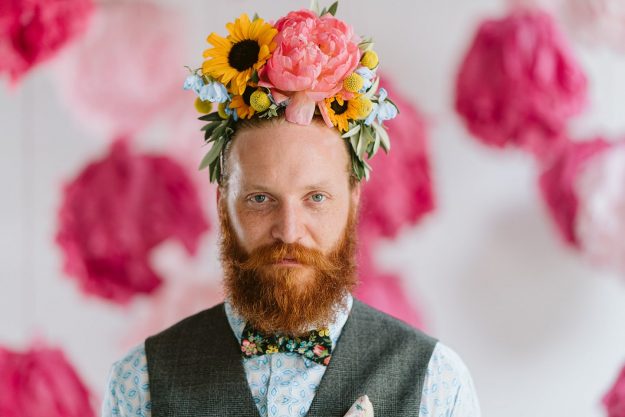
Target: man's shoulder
377,321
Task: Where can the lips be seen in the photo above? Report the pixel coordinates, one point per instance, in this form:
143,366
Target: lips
287,261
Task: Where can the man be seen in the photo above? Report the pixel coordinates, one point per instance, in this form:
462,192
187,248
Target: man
299,114
290,201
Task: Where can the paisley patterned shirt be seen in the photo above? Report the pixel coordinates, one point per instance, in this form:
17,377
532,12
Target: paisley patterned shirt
284,384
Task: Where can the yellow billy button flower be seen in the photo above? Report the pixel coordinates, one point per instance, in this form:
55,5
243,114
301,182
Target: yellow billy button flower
259,100
353,83
369,59
203,107
324,332
272,349
362,106
221,110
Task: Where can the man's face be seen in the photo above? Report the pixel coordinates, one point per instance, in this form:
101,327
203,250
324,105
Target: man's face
288,218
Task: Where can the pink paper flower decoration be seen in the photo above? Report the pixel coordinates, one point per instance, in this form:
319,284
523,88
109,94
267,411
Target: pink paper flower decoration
41,383
558,184
401,191
313,56
397,196
519,83
384,291
116,211
614,399
33,31
126,70
178,298
600,222
597,21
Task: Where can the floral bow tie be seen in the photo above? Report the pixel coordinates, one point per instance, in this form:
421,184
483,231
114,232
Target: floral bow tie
315,345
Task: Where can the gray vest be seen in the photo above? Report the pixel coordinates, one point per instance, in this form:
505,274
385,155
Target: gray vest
196,370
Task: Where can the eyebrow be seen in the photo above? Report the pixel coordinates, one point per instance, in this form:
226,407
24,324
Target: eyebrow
311,187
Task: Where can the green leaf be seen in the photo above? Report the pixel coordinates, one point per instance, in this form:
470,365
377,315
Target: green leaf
385,142
314,6
256,16
366,44
351,131
353,140
333,7
376,144
366,169
211,117
215,171
361,143
212,154
209,129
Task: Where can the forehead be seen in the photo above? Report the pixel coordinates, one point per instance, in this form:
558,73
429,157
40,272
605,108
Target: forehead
285,156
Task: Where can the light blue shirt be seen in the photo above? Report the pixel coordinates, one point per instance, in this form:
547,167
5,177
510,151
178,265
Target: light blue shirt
284,383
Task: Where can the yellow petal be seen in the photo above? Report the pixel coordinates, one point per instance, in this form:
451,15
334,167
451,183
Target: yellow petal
218,41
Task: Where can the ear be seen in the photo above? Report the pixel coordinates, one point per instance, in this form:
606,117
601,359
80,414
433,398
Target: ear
355,194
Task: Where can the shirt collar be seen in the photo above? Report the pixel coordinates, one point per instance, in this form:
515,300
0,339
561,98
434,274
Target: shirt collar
237,323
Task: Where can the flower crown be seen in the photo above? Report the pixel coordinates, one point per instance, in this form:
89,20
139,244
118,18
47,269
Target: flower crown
308,62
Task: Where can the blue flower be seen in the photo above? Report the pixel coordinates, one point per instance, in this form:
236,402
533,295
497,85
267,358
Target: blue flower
382,110
193,82
215,92
371,117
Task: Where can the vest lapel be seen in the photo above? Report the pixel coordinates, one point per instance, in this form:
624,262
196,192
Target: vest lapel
231,378
344,379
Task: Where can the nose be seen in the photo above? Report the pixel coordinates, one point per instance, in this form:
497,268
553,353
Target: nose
288,225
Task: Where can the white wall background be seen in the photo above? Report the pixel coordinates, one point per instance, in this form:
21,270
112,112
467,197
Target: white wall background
542,332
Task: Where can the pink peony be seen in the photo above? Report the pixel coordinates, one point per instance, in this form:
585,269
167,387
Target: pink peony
41,382
116,212
313,56
33,31
614,400
558,182
600,223
519,83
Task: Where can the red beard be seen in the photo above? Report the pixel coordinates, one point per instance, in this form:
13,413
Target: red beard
288,300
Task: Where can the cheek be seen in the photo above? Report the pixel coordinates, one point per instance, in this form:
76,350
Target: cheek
252,229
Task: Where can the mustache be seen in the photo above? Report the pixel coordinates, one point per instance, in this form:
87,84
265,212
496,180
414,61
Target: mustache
275,252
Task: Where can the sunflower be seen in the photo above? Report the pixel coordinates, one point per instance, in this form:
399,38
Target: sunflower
242,104
235,58
341,111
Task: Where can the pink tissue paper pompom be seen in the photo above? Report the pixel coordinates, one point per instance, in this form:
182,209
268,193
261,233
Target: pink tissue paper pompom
600,224
116,211
519,83
177,298
597,21
125,71
313,56
41,382
384,291
558,184
33,31
614,399
400,191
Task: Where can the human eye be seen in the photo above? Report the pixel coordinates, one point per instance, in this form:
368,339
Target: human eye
318,197
258,198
